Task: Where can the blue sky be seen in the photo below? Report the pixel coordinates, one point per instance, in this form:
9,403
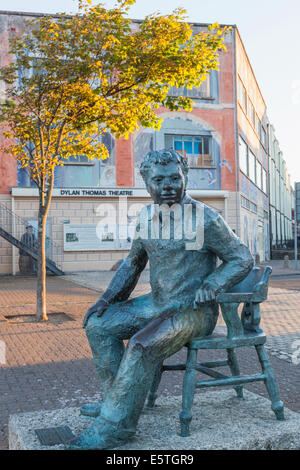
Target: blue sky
270,32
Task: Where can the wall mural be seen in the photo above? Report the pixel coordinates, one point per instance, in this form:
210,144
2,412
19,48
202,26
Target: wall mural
107,177
244,185
246,232
254,237
143,144
267,246
206,176
253,192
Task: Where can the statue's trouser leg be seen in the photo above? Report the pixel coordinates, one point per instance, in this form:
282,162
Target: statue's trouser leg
107,354
105,334
161,338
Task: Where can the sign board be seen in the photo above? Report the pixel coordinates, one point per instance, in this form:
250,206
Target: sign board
85,192
97,237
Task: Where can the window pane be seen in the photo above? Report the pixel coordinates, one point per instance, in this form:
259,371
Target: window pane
264,137
258,126
177,145
206,142
264,182
242,96
252,166
197,149
258,174
188,147
202,91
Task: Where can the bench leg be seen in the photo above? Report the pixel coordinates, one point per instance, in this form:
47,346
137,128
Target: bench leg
235,370
152,395
271,384
188,391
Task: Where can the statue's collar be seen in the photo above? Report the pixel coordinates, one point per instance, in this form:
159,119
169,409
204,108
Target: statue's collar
164,209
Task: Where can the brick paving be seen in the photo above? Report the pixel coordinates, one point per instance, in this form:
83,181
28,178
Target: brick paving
49,365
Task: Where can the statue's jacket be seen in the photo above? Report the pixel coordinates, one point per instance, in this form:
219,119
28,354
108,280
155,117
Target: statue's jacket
182,245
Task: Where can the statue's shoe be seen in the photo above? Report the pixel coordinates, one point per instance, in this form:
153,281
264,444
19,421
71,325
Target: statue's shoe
92,439
92,410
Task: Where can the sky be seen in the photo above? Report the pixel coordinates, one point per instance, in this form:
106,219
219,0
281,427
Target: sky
270,32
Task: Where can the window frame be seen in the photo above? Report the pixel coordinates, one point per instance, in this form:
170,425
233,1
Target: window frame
258,174
254,170
247,159
79,163
191,138
242,96
175,91
264,181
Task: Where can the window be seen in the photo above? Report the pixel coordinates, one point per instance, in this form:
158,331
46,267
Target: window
252,171
243,153
264,137
257,126
245,203
259,174
78,160
264,181
202,91
248,205
196,149
242,96
253,207
251,113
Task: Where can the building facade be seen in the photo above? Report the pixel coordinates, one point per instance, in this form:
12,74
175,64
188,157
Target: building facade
281,197
224,138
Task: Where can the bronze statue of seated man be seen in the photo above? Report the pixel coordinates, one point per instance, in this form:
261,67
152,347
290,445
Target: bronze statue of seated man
182,239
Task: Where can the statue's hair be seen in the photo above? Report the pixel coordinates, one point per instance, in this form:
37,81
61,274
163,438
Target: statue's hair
162,157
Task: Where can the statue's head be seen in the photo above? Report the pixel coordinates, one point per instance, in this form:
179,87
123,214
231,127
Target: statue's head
165,175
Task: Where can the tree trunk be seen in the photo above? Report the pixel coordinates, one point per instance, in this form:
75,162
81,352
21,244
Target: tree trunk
41,312
44,204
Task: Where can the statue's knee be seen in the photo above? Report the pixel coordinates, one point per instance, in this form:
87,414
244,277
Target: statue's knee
90,332
93,329
139,343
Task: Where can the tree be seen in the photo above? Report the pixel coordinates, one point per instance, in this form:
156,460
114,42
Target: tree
82,75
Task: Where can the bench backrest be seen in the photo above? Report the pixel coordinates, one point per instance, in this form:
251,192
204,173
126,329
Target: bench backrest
258,278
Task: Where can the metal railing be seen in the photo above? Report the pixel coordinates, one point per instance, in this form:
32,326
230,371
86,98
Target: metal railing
15,225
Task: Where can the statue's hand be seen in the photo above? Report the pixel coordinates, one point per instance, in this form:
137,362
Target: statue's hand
100,306
206,293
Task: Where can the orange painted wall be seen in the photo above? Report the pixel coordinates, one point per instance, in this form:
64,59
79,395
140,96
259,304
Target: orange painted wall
226,75
8,169
223,122
8,29
125,162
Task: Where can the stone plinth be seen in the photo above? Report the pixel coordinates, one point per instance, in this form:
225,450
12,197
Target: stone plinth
220,421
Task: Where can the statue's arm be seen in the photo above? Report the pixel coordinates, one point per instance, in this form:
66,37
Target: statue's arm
123,282
236,259
127,275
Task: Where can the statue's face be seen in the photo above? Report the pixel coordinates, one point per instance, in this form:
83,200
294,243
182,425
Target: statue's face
166,183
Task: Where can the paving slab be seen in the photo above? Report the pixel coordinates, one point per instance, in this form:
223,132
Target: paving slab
220,421
49,365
